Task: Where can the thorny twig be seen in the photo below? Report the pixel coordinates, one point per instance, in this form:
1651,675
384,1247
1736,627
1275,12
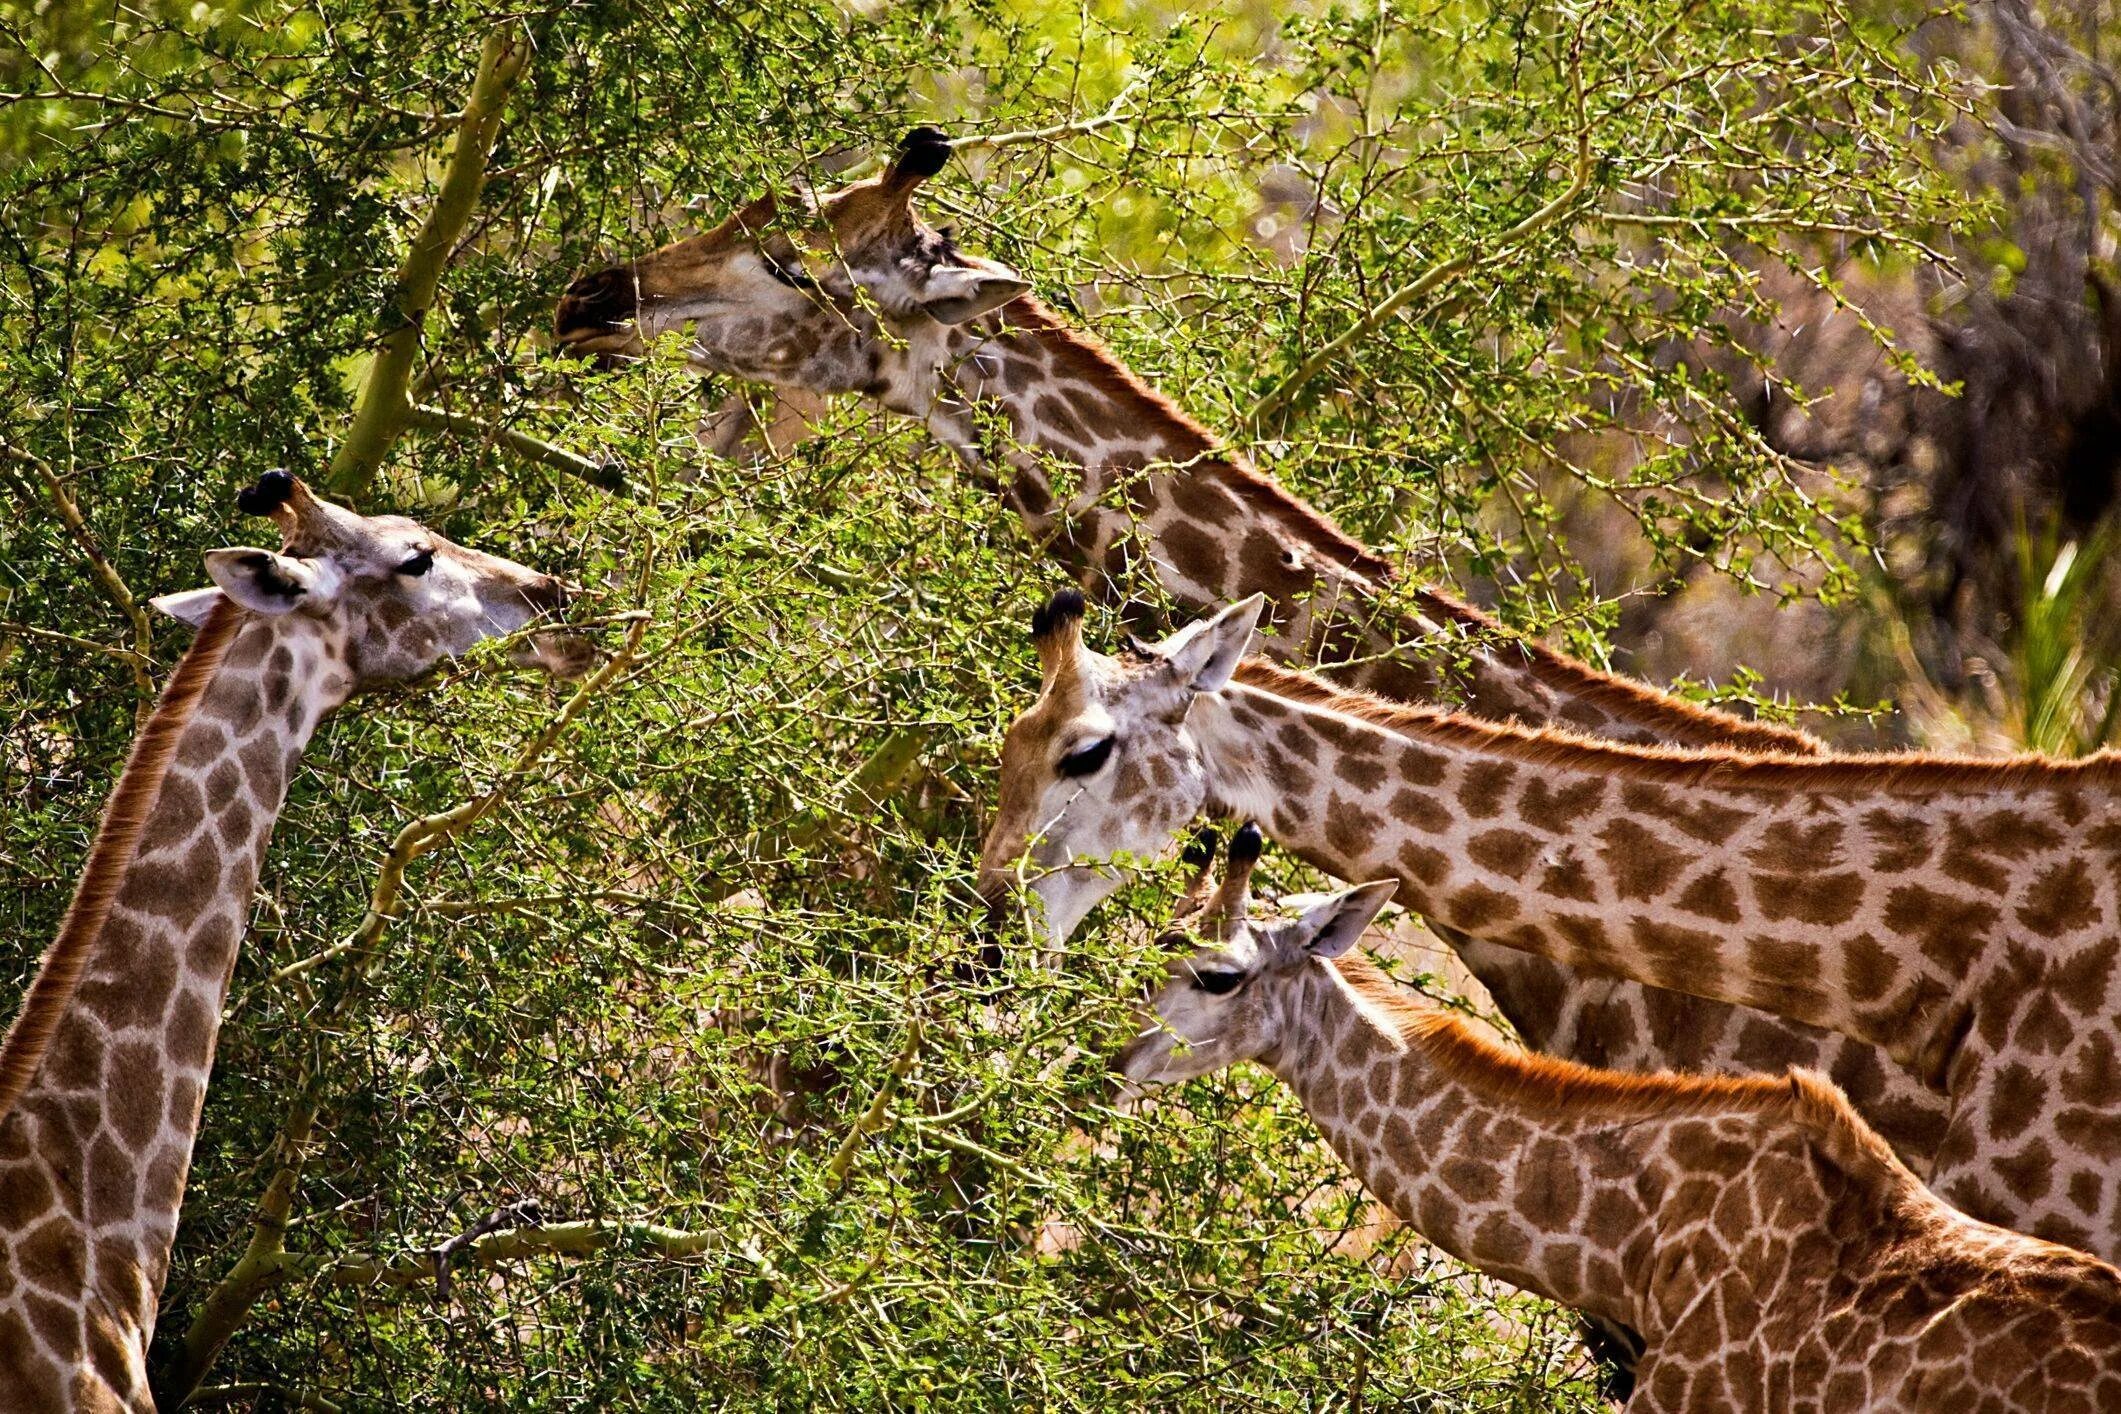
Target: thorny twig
523,1214
104,572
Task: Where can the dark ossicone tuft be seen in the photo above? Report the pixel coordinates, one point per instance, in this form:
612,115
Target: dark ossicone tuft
1246,844
1056,614
921,153
1199,852
269,494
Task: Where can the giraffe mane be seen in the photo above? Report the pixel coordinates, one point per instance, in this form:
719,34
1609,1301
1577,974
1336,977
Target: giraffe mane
110,855
1564,1089
1089,359
1882,772
1587,683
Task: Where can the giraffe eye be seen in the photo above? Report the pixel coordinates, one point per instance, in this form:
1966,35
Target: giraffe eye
421,562
1086,760
793,279
1218,984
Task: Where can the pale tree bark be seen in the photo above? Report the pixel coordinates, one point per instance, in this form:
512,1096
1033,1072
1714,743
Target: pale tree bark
385,406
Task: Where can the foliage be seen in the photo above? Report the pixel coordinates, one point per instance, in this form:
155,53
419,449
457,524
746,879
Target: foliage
2050,684
702,971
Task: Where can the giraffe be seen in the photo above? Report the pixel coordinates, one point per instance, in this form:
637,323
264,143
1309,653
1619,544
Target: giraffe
104,1071
1961,915
874,301
1771,1250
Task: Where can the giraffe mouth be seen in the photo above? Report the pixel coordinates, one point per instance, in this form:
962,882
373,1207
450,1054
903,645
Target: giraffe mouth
1125,1082
556,652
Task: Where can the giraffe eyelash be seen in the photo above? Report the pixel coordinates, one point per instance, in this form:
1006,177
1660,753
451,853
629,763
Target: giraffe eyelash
1086,760
793,279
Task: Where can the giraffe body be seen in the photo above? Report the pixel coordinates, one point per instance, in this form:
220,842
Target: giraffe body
94,1154
1961,915
1770,1250
853,293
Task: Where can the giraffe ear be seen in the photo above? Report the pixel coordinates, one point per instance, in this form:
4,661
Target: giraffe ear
187,606
1203,655
266,583
1333,927
967,286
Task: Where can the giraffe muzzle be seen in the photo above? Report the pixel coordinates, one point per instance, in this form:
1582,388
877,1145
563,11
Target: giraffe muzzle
598,306
548,594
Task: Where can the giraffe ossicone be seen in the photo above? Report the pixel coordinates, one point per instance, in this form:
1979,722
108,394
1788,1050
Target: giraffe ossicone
1963,916
1767,1246
105,1068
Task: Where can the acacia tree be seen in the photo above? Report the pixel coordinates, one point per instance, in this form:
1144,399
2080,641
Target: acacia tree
670,958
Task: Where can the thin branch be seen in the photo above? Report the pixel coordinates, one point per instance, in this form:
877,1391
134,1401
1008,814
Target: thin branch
576,1239
104,572
431,832
1778,221
879,1110
86,645
433,419
1114,114
1443,270
384,405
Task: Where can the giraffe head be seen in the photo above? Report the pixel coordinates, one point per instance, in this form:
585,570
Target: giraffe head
386,596
1232,999
1102,764
849,292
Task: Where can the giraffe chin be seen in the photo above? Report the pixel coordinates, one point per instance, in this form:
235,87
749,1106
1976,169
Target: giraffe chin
1067,895
561,654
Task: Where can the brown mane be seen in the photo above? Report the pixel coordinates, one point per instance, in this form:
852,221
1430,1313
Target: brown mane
109,857
1549,1086
1880,773
1634,701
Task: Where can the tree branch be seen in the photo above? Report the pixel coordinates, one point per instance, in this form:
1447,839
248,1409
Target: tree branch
1421,286
433,419
99,566
265,1261
576,1239
228,1304
269,1269
384,406
879,1110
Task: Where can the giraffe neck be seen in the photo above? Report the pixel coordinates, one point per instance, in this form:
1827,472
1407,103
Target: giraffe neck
1876,897
1150,484
93,1159
1580,1186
